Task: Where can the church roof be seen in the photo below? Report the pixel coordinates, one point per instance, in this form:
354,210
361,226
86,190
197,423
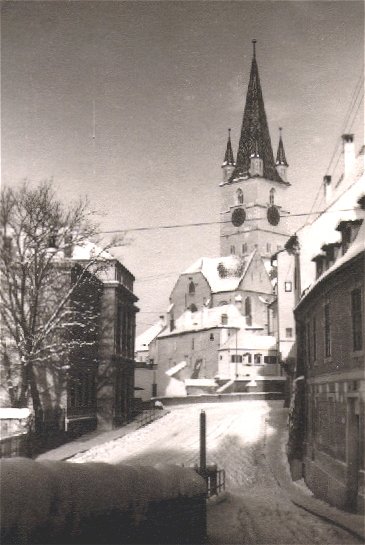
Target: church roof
280,156
255,136
228,158
222,273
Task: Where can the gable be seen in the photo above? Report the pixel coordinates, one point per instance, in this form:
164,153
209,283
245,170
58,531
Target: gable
256,277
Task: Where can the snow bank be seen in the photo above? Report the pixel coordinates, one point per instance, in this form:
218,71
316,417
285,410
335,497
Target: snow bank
58,502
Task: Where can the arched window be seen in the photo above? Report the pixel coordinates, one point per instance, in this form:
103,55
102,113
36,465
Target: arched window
272,196
191,288
239,195
248,310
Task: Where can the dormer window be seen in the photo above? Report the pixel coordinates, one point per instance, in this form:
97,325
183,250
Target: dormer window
319,261
272,196
239,196
191,288
224,319
346,238
193,308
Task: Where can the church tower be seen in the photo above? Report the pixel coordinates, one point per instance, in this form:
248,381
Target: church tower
253,188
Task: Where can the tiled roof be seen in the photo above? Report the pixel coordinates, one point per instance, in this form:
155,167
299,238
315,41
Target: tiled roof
255,134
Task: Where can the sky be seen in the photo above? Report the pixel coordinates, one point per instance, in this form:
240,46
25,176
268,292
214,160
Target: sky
129,103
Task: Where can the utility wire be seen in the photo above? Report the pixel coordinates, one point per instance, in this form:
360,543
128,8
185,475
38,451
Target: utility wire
207,223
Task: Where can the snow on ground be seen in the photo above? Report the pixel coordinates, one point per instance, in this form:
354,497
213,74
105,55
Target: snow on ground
234,431
255,509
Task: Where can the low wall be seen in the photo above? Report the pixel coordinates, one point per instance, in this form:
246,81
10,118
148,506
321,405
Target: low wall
219,398
68,503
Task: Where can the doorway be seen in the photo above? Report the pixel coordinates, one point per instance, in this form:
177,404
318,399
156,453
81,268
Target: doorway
352,453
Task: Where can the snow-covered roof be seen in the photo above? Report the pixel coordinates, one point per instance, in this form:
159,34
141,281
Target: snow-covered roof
207,318
7,413
322,230
356,248
245,340
176,368
144,339
222,273
90,250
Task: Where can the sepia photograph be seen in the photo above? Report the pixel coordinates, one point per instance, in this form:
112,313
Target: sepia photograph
182,252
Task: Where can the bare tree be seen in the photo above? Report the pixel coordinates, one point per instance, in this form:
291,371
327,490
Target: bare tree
49,303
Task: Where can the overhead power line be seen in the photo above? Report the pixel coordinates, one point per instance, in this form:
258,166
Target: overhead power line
207,223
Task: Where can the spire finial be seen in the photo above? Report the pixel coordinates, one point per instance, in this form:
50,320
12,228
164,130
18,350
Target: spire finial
254,48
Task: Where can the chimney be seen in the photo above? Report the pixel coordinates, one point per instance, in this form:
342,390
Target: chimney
327,185
348,154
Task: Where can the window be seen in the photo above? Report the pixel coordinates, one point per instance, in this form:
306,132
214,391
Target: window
327,330
193,308
308,337
192,343
224,319
244,248
268,247
172,322
257,359
270,359
356,314
233,250
248,310
314,336
288,286
288,332
191,288
272,196
235,358
239,195
211,337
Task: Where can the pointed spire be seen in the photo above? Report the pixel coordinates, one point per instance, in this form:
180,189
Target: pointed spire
280,156
255,130
228,158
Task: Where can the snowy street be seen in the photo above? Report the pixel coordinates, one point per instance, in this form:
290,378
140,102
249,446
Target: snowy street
254,508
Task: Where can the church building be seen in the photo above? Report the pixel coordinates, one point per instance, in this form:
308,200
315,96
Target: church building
221,303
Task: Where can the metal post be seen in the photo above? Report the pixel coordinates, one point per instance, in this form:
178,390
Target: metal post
203,438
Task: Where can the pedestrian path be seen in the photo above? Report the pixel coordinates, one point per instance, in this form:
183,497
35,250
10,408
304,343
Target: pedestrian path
92,439
274,448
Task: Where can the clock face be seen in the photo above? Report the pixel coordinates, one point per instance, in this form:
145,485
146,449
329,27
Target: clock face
273,215
238,217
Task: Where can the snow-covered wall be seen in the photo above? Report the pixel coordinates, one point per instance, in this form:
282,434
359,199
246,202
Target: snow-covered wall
59,502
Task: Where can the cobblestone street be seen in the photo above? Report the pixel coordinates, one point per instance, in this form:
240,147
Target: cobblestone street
254,509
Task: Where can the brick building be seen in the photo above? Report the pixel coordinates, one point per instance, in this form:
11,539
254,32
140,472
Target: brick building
331,342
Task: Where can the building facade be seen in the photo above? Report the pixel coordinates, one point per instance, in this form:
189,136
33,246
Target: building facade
331,341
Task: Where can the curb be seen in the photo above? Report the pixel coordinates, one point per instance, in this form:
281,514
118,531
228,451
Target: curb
352,523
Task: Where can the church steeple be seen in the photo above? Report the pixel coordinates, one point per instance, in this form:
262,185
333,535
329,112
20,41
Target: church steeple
255,131
228,163
281,162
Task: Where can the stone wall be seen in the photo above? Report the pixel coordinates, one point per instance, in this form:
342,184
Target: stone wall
68,503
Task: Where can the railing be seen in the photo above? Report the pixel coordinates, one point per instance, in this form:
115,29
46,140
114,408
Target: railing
146,417
215,479
216,482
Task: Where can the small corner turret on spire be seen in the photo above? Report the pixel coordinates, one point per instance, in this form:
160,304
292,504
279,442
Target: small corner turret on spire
228,164
281,162
255,131
228,157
